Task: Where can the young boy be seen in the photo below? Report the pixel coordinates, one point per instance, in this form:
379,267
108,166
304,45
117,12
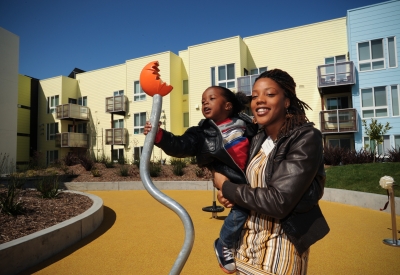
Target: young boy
221,143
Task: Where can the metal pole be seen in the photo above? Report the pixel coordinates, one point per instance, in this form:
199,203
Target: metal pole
161,197
394,241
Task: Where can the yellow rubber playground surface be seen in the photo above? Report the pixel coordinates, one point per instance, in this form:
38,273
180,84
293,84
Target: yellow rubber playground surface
141,236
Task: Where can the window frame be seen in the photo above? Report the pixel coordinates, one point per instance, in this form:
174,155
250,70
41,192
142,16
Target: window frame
138,129
374,107
51,135
52,109
371,60
119,123
186,119
51,156
215,76
393,101
118,93
138,95
81,128
185,87
388,52
82,101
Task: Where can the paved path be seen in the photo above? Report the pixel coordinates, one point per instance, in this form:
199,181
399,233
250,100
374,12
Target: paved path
141,236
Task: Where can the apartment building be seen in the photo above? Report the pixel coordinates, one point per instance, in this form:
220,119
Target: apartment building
373,42
104,110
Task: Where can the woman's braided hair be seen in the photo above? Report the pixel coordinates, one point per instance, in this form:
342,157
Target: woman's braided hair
296,114
237,100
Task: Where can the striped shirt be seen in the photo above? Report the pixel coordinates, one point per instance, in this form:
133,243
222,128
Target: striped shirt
263,247
237,145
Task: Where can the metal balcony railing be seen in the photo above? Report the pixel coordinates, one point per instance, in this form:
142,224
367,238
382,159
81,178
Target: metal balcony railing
116,136
338,121
342,73
115,104
72,111
72,140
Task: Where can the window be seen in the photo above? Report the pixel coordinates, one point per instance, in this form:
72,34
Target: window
226,76
139,120
258,70
382,148
137,153
52,130
118,154
370,55
118,123
52,102
185,87
138,93
341,143
392,59
120,92
334,103
82,101
82,128
185,120
374,102
72,100
394,92
397,142
52,156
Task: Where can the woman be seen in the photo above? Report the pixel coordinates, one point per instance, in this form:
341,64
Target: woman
286,176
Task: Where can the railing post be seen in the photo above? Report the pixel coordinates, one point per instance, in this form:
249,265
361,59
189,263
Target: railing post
387,183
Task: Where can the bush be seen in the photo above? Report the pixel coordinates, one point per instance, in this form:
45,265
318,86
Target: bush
155,168
71,159
48,186
357,157
136,162
394,155
333,155
177,161
36,161
87,161
96,172
124,170
200,173
8,203
192,160
177,169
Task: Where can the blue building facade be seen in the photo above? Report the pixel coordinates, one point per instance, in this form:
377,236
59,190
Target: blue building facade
374,46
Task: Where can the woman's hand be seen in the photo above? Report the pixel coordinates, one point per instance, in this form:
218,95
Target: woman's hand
218,180
223,201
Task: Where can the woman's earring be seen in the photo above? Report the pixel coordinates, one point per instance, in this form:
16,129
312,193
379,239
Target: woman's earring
288,115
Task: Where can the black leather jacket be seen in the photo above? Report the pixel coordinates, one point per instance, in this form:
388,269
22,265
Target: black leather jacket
295,180
205,142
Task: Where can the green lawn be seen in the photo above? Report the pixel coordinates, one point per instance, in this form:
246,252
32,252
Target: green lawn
363,177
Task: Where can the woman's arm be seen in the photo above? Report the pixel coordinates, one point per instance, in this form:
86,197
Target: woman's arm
302,164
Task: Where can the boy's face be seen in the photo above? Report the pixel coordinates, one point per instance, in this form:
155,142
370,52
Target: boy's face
214,105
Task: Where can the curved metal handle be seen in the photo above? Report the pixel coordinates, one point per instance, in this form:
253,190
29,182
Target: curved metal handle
161,197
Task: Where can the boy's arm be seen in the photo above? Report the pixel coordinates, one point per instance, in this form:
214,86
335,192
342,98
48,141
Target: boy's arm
186,145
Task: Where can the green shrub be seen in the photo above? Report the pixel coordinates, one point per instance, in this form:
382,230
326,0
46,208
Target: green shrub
70,159
124,170
177,168
48,186
192,160
177,161
155,169
87,161
8,202
200,173
96,172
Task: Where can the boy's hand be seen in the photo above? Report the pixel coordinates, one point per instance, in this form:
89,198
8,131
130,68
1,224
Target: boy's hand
147,127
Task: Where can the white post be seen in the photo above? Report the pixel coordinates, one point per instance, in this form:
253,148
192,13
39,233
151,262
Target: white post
387,183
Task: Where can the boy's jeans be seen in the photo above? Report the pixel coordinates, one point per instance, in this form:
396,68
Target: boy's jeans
232,226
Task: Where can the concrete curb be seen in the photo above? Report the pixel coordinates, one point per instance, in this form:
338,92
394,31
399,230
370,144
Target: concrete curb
355,198
22,253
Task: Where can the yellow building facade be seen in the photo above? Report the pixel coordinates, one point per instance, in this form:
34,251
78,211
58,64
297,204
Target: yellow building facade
232,62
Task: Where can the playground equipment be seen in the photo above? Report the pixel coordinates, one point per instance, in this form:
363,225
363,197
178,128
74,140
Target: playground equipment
214,209
153,86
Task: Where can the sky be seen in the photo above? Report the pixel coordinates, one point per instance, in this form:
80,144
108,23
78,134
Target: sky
56,36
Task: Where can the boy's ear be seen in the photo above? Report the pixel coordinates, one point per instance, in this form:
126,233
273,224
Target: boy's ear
228,106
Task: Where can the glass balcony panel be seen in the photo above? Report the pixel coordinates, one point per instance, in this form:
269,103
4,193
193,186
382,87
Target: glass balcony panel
72,111
337,121
336,74
116,136
116,104
72,140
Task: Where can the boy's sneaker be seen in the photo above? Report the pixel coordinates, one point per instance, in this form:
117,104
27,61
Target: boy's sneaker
225,257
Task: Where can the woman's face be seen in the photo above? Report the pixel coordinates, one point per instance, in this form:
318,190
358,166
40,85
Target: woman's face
269,104
214,105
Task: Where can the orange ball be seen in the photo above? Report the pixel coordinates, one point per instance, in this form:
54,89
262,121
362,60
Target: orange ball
151,82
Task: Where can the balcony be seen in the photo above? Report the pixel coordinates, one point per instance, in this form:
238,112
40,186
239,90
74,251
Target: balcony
337,74
72,111
338,121
116,104
245,83
72,140
116,136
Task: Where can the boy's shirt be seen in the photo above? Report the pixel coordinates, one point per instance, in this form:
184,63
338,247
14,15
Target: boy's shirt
235,143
